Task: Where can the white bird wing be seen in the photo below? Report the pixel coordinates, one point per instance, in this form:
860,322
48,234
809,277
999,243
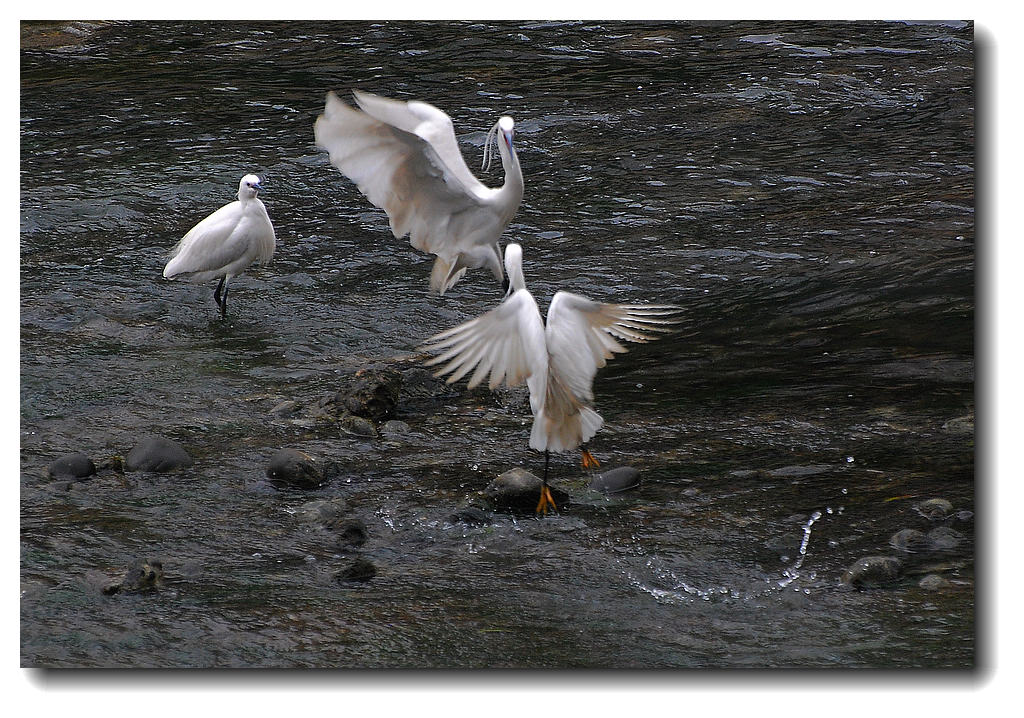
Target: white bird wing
582,335
217,241
398,171
427,122
506,344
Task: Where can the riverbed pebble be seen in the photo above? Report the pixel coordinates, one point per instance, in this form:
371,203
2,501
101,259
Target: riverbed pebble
944,538
72,466
934,582
357,570
910,541
471,516
934,509
873,572
143,575
517,488
357,426
394,427
348,533
615,480
156,453
294,468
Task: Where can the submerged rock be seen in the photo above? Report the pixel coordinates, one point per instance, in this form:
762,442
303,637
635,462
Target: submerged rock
325,512
934,582
155,453
349,533
360,569
960,426
394,427
72,466
373,394
613,481
357,425
143,575
294,468
471,516
944,538
935,509
910,541
519,489
873,572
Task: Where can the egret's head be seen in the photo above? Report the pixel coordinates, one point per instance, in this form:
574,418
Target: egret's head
503,127
249,187
514,267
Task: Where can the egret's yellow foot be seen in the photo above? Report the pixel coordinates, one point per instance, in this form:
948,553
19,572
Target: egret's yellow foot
588,461
545,500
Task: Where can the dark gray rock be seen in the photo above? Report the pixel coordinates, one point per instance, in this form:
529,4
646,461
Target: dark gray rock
471,516
960,426
357,425
944,538
72,466
518,489
359,570
323,512
348,533
934,582
910,541
294,468
394,428
143,575
155,453
873,572
615,480
373,394
935,509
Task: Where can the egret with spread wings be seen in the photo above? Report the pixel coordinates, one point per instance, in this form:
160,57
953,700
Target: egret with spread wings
558,361
404,157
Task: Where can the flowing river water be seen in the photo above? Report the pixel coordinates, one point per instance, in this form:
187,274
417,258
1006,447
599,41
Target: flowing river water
804,190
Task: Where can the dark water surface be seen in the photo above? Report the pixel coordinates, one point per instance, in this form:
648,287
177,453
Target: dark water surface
805,191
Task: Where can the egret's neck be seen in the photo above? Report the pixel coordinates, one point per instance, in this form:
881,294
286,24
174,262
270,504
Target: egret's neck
513,186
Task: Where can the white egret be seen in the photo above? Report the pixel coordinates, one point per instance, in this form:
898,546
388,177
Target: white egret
226,242
558,361
404,157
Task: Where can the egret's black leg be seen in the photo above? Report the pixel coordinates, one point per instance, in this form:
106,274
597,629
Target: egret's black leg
216,294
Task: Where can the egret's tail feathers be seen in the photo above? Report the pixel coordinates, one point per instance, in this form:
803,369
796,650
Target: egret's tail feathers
564,433
444,276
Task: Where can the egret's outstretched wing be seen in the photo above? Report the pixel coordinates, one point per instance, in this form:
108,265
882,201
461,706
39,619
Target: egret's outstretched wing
398,171
582,335
506,344
427,122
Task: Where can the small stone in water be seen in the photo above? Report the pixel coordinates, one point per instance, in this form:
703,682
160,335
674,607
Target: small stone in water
72,466
291,467
155,453
615,480
935,509
360,569
873,572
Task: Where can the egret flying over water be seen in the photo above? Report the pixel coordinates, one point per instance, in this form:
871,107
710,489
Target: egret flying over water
226,242
404,157
558,361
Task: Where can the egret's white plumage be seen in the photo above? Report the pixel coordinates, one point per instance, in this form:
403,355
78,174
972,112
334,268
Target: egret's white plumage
558,361
226,242
404,157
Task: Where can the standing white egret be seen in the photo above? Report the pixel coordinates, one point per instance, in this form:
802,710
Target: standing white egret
559,361
404,157
226,242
